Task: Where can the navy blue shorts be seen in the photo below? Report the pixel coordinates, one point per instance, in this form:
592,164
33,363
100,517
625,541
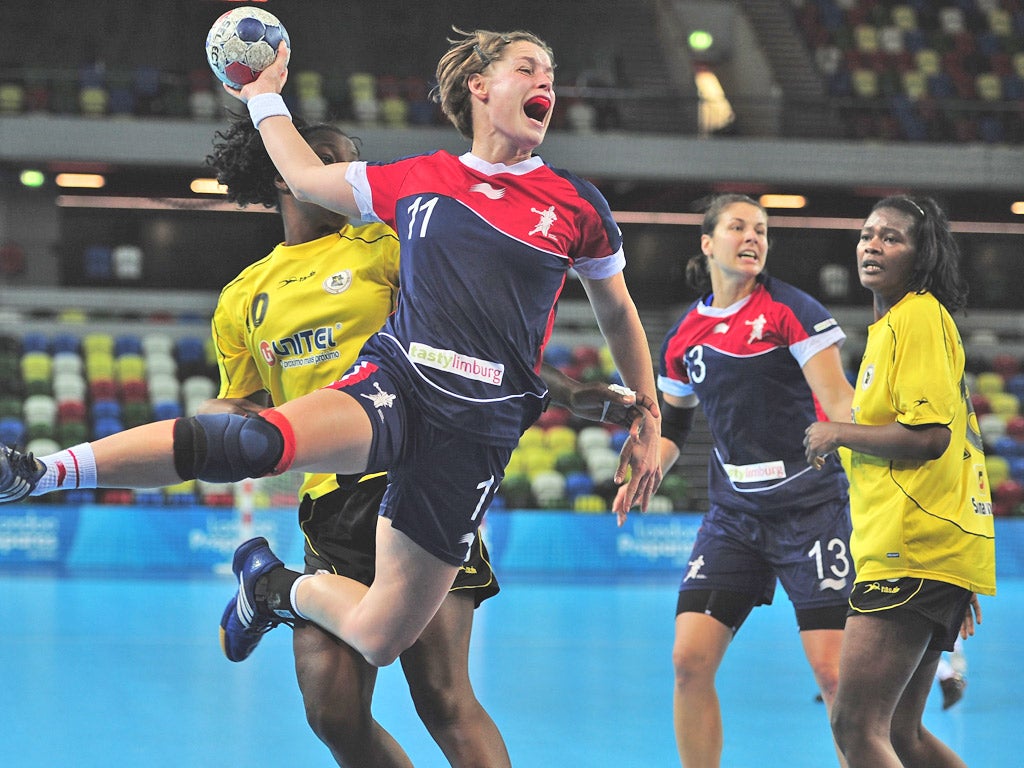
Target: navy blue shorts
439,483
808,550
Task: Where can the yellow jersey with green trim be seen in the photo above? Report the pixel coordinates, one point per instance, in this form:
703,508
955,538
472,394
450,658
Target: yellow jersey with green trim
295,320
925,519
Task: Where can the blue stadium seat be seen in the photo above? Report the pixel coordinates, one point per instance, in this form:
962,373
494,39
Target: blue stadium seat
1008,447
66,342
106,409
12,431
577,484
127,344
98,262
166,409
35,342
104,427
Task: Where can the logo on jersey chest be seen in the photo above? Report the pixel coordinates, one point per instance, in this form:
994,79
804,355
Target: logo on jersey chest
488,191
339,282
543,226
305,347
868,376
546,217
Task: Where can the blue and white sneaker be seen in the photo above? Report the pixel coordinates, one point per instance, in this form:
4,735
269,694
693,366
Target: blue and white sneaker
19,474
242,626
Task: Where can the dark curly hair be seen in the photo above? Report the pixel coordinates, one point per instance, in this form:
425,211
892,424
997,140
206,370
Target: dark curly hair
936,251
242,164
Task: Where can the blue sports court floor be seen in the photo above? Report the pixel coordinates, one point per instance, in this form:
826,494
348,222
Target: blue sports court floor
127,672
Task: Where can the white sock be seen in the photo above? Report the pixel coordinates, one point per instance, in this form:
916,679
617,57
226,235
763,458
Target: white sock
292,596
74,467
945,670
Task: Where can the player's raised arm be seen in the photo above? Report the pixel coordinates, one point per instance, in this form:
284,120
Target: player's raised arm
303,171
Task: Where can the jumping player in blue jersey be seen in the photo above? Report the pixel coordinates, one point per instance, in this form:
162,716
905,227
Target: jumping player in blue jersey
439,397
762,358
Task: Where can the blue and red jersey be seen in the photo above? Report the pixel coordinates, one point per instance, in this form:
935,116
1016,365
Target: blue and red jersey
485,250
744,363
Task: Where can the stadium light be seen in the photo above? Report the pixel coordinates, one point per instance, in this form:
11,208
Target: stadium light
207,187
32,178
81,180
783,201
700,40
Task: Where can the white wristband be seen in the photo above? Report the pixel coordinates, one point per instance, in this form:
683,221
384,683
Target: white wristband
264,105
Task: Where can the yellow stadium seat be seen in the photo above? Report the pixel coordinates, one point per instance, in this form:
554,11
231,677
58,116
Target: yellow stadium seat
998,469
1004,403
915,84
928,61
537,459
36,366
589,502
533,436
516,465
1000,22
989,87
865,37
988,382
865,83
559,439
904,17
98,342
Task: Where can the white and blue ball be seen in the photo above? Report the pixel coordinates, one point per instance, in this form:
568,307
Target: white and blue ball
242,43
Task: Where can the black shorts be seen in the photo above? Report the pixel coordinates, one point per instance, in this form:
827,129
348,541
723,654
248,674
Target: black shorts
943,604
340,537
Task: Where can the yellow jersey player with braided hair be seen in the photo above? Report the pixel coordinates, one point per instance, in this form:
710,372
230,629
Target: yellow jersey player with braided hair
923,537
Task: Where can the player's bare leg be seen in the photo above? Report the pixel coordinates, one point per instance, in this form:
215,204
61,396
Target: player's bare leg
437,668
822,648
328,672
700,645
382,620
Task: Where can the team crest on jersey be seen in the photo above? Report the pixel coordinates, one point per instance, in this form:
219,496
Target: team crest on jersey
868,377
339,282
756,328
543,226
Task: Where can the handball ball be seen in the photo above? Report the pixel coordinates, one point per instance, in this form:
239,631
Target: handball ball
242,43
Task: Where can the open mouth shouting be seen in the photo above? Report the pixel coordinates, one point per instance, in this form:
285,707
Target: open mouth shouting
870,267
537,108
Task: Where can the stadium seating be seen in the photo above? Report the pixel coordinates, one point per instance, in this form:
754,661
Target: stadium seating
961,54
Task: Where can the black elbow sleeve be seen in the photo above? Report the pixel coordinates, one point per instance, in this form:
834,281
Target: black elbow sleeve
676,423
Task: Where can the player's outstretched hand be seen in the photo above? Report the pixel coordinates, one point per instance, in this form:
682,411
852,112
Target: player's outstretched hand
639,472
609,403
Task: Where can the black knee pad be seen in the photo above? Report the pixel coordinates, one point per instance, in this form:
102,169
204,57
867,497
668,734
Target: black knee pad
226,447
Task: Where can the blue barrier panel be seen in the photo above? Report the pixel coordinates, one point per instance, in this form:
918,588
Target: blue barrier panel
196,540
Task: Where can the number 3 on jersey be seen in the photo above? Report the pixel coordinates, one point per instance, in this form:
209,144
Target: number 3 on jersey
695,364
